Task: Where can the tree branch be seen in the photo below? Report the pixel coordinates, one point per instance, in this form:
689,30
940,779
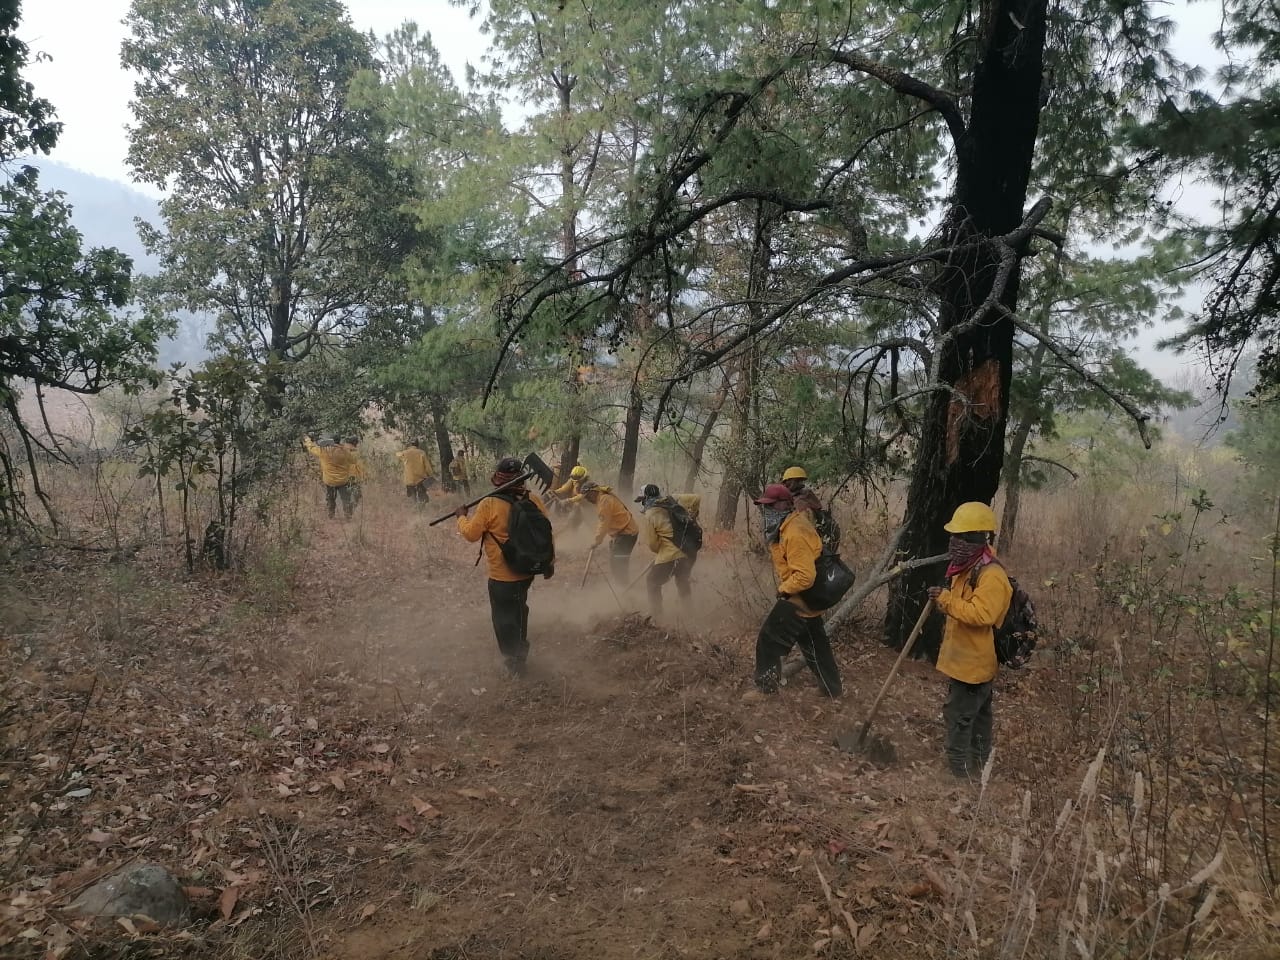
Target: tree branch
1139,418
945,103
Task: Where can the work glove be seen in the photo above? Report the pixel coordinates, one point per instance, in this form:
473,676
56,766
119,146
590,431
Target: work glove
461,511
550,572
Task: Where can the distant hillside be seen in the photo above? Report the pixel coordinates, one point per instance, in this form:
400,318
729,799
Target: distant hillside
104,211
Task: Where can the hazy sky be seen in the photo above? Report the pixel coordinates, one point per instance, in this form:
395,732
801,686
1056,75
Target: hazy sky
84,80
91,91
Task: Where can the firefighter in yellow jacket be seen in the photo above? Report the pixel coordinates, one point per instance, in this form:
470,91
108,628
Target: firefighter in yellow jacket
975,602
508,588
794,548
417,472
359,473
336,464
616,522
458,474
675,550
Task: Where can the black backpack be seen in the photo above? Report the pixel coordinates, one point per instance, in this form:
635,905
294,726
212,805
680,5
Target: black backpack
529,547
685,532
824,521
832,581
1016,637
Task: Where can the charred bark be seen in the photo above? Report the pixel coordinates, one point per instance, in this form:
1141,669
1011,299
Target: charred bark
961,451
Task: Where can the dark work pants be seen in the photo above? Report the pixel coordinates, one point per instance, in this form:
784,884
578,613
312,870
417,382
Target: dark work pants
509,607
967,718
660,573
331,497
620,556
417,492
782,629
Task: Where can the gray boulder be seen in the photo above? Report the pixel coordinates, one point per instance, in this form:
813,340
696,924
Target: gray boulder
148,889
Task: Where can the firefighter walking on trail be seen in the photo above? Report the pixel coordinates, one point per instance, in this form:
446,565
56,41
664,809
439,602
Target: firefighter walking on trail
336,463
418,473
458,474
517,543
617,523
674,537
794,548
975,603
359,473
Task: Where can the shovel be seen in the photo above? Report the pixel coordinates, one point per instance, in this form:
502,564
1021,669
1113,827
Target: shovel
879,749
641,577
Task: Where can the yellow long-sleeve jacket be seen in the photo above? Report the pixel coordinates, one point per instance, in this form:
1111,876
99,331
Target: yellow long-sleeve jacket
458,467
615,518
416,466
335,462
492,517
968,650
795,559
658,530
569,490
359,473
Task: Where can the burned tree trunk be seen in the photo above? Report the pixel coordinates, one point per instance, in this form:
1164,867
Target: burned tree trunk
961,450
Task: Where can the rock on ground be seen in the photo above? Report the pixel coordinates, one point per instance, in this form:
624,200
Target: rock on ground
148,889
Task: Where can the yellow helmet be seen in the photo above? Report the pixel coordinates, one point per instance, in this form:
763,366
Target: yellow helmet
795,473
972,518
577,473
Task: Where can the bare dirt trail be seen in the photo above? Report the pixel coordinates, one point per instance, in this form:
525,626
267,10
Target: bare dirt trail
339,762
622,800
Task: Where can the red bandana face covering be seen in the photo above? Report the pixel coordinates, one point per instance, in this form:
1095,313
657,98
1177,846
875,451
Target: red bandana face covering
964,555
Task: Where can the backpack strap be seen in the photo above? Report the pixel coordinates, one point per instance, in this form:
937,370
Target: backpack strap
978,568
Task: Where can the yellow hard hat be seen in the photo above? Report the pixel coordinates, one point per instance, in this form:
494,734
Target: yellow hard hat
578,472
972,517
795,473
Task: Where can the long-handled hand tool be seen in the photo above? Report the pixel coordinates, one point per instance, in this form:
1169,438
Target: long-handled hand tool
641,577
587,569
880,749
535,468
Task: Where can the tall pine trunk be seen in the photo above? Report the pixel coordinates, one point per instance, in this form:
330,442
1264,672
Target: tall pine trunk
744,443
1013,481
961,451
569,250
699,450
440,420
1017,450
631,439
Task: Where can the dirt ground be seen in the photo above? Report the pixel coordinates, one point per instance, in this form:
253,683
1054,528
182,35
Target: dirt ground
346,772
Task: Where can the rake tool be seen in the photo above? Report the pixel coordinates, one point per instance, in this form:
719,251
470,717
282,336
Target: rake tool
878,748
587,569
534,467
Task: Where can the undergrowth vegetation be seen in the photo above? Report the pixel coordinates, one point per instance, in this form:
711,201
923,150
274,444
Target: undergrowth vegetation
1130,808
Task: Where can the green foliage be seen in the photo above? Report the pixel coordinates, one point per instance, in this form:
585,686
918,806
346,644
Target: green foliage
61,320
197,439
282,215
1257,446
1232,139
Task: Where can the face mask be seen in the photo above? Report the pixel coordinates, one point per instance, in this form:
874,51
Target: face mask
963,554
772,518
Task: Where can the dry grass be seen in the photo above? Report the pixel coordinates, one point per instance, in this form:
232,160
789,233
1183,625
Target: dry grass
326,732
